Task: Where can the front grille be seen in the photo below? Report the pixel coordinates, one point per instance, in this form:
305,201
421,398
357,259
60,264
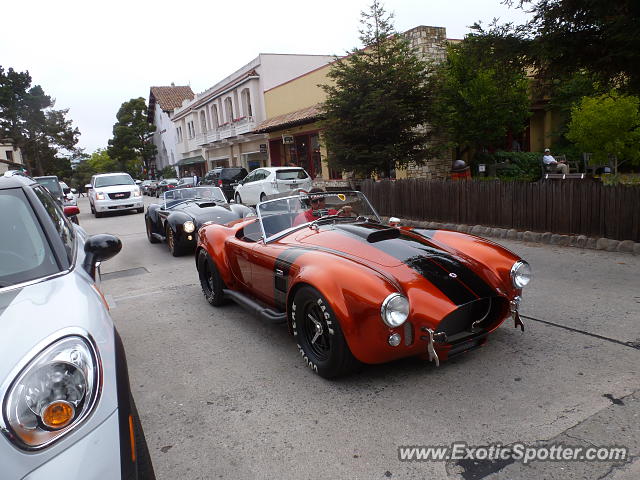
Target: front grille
481,314
119,195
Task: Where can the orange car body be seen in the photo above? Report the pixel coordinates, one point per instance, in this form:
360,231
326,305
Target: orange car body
450,279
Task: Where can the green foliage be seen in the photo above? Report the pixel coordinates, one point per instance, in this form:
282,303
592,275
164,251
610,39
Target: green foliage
567,36
168,172
607,125
132,135
622,179
478,99
523,166
27,118
101,162
374,111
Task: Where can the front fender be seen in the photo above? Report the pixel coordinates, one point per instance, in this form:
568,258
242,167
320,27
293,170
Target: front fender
355,293
175,220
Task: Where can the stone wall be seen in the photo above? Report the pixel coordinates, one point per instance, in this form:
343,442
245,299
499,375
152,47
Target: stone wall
431,45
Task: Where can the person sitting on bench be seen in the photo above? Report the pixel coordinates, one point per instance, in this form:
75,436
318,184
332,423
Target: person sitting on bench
552,164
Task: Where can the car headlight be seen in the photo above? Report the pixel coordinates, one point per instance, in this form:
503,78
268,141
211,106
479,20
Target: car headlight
188,226
521,274
395,310
100,196
137,193
53,393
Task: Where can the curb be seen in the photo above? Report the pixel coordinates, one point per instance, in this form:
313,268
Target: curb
578,241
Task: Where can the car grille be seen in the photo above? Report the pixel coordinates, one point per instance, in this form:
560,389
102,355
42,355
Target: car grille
119,195
481,314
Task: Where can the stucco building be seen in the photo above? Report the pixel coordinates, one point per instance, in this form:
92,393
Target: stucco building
216,127
162,102
10,157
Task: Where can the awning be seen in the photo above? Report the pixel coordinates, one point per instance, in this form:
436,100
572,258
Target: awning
190,161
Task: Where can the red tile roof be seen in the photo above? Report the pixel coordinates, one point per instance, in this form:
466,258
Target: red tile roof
171,97
299,117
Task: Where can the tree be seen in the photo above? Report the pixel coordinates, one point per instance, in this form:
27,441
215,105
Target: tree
27,118
571,35
607,125
478,99
378,103
101,162
168,172
132,134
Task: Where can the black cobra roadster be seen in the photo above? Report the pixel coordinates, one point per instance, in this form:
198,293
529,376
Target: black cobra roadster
183,211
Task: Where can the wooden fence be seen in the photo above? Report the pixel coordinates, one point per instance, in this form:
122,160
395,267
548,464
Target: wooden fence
576,207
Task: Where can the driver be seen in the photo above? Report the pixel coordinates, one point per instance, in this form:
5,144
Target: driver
318,208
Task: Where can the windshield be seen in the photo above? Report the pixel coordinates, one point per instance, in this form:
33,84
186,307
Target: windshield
172,198
25,254
51,184
111,180
284,213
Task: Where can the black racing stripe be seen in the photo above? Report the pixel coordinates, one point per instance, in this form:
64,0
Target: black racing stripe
435,265
281,282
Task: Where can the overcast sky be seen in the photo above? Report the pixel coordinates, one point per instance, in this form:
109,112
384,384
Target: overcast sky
93,56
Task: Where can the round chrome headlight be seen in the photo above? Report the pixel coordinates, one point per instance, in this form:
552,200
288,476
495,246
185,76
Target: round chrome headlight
521,274
394,310
188,226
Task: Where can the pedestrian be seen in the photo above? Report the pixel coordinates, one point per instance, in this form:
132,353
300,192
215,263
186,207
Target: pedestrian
551,163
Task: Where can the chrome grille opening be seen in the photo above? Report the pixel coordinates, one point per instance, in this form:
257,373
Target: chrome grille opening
473,317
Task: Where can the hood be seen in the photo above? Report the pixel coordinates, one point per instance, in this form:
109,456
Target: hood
117,188
454,276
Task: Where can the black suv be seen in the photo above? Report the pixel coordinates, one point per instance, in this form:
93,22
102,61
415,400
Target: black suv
226,178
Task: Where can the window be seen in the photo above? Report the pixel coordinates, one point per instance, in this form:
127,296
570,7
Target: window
191,129
245,95
111,180
228,109
215,122
9,155
25,253
203,122
60,222
179,132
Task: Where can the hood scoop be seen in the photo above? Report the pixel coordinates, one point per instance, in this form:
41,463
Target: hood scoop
371,235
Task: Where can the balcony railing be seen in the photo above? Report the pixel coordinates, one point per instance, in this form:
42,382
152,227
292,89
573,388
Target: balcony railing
244,125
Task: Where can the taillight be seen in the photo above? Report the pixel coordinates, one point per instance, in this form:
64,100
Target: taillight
219,183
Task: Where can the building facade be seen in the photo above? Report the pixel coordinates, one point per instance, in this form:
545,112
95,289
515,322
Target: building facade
215,129
162,102
10,157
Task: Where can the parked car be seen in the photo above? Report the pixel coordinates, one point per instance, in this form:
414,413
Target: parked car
151,188
69,197
52,184
66,405
144,186
186,182
164,185
354,290
263,182
110,192
226,178
183,211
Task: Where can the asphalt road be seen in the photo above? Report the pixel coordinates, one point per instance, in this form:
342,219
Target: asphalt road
222,395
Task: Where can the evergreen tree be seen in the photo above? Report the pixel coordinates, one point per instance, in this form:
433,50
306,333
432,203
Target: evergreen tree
377,105
132,134
28,119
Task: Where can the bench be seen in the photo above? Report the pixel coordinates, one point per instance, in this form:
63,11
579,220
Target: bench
563,176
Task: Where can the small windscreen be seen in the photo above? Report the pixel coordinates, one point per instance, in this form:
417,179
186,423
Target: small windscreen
297,174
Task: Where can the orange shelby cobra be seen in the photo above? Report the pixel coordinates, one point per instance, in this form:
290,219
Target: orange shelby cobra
354,290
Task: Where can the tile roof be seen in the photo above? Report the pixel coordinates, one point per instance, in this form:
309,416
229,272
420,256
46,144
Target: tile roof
299,117
171,97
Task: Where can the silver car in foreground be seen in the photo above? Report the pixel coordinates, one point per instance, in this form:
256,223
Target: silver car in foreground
66,406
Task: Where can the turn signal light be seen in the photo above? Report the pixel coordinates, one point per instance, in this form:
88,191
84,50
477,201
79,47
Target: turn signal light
57,415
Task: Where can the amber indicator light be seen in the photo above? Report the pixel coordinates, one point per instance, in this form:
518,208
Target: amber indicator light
57,415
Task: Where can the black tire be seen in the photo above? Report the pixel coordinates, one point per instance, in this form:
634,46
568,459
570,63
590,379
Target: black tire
210,280
140,210
319,336
238,198
143,459
98,214
175,248
262,197
150,237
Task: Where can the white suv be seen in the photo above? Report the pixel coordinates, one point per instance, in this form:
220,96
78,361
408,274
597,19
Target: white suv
260,183
114,191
